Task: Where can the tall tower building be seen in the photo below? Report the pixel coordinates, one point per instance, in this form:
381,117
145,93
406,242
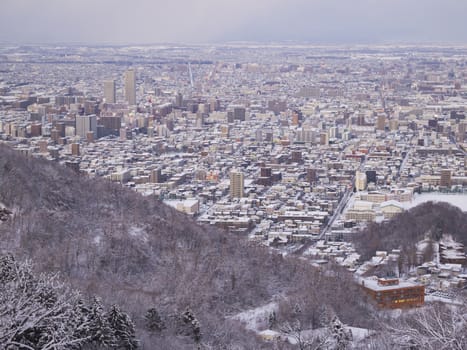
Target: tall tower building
461,131
130,87
236,184
109,91
179,100
360,181
85,124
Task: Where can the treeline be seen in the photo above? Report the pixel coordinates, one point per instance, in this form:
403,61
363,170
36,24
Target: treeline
152,261
428,220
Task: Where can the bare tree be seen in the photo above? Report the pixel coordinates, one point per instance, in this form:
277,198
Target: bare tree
310,341
438,327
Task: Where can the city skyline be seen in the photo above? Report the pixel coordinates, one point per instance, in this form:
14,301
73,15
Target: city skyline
207,21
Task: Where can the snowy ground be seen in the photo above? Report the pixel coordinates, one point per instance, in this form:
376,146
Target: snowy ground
458,200
257,319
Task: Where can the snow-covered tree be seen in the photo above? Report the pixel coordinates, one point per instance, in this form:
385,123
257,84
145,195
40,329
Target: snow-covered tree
40,312
340,333
272,320
98,327
190,320
123,328
36,312
304,341
438,327
154,322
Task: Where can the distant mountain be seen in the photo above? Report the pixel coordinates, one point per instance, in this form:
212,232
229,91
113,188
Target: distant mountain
156,263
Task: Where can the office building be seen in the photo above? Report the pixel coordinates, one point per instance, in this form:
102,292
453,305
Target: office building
109,91
236,184
311,175
239,113
111,122
393,294
85,124
461,131
130,87
75,149
156,176
445,180
324,138
179,100
371,176
360,181
381,122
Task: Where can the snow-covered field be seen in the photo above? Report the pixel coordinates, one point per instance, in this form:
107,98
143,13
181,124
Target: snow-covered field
458,200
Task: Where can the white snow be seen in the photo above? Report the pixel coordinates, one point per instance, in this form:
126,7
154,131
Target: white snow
358,334
458,200
256,319
138,232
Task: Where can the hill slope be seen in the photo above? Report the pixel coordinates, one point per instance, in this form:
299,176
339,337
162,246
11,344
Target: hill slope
135,251
408,228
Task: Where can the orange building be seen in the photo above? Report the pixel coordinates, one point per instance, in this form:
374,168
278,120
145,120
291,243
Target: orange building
393,294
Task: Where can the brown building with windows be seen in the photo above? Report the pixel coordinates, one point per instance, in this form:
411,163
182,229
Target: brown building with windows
445,179
393,294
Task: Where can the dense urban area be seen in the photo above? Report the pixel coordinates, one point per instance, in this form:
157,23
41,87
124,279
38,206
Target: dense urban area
311,151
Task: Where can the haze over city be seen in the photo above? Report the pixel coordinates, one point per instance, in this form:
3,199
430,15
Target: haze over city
208,21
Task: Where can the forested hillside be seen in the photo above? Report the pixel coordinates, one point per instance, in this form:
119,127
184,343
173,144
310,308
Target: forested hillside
179,282
428,220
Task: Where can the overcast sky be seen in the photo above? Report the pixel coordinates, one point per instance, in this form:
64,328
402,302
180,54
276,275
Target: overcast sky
208,21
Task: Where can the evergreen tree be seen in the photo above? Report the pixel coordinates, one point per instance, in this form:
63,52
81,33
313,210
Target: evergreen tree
123,328
100,331
154,322
272,320
190,320
341,335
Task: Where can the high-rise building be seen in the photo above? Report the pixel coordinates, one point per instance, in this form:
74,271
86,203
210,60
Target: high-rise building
312,175
215,105
179,100
381,122
266,172
265,177
112,122
85,124
296,156
75,149
36,129
239,113
393,124
461,131
130,87
360,181
445,180
109,91
324,138
371,176
236,184
156,176
225,131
